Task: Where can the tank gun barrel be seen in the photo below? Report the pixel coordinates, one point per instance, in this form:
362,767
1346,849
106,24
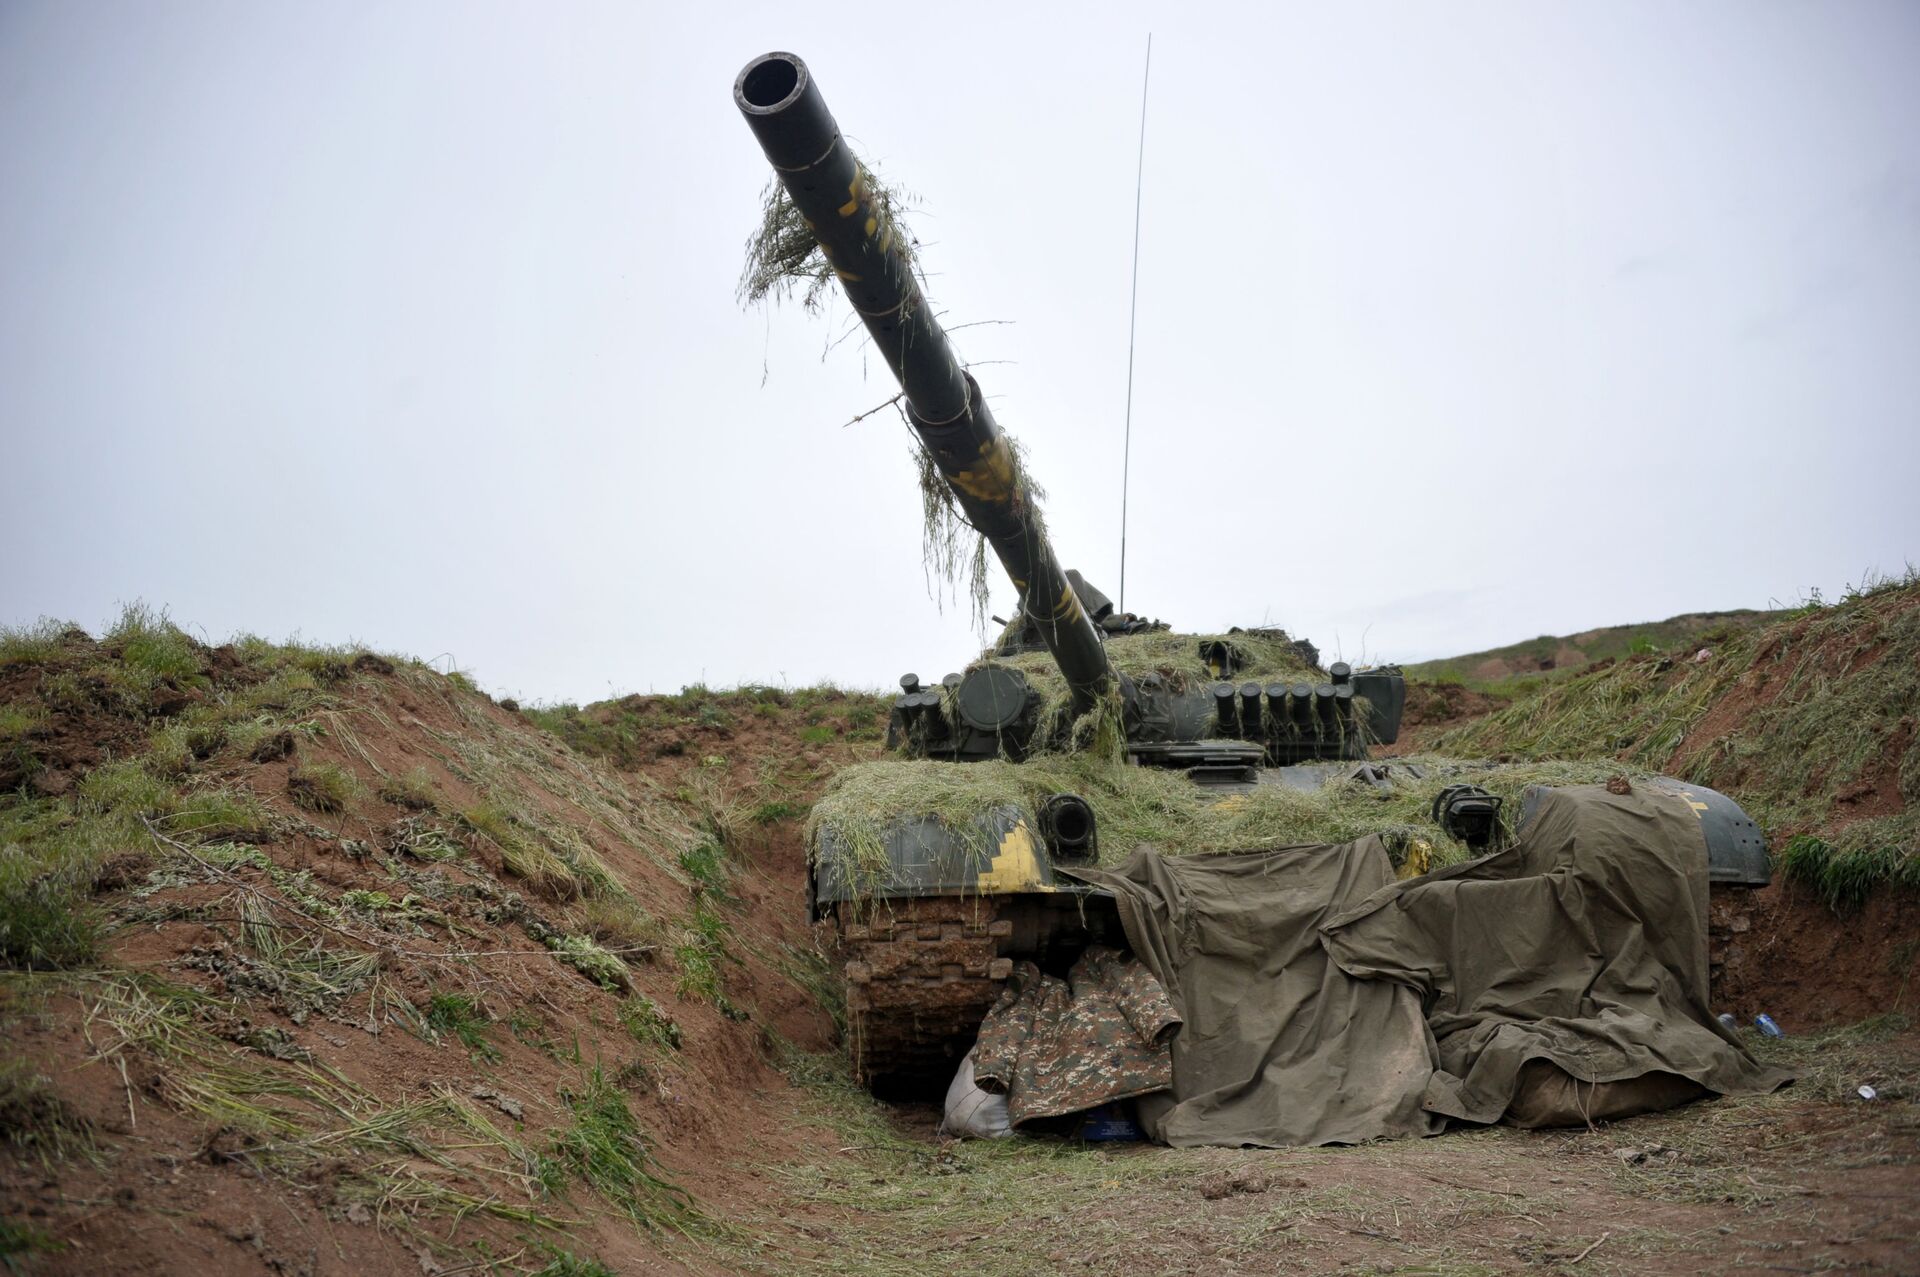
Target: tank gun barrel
783,106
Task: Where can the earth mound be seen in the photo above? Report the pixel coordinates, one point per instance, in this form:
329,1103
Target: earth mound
317,957
1810,722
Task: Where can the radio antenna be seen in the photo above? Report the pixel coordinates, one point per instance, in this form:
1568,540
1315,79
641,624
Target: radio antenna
1133,312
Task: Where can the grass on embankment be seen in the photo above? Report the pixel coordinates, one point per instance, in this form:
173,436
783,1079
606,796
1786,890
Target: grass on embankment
272,800
1806,721
633,731
1534,662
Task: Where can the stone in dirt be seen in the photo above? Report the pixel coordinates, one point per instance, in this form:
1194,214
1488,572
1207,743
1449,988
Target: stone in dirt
1651,1155
1245,1179
505,1103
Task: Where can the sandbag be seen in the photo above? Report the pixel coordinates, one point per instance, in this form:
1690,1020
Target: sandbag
1547,1095
973,1113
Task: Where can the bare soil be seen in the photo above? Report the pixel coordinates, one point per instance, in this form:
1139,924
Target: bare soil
1432,708
1716,1187
1780,950
1840,656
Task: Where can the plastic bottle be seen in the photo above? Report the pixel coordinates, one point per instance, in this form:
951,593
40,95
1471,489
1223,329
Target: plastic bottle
1726,1019
1765,1024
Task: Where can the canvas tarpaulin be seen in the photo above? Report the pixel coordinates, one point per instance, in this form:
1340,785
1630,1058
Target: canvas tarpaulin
1565,977
1279,1046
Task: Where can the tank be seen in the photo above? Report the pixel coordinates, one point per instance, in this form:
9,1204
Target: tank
941,867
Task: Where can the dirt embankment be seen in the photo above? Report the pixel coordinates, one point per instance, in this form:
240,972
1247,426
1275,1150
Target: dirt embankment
379,976
1433,708
1810,722
1677,636
1783,951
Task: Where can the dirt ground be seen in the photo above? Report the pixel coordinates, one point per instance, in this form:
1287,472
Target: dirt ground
1788,1184
1431,709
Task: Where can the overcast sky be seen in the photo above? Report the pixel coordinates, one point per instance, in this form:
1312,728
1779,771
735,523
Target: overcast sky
414,324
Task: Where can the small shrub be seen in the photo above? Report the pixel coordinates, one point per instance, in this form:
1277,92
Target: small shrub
126,787
52,852
619,922
258,739
647,1024
415,790
47,920
18,759
702,948
521,850
35,644
289,690
327,664
706,864
564,1263
176,747
153,649
562,719
458,1015
772,813
326,788
605,1147
19,719
590,960
221,813
722,818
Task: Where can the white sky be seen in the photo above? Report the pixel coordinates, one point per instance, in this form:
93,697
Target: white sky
414,324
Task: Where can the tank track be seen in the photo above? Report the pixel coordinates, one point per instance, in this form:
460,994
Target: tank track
920,975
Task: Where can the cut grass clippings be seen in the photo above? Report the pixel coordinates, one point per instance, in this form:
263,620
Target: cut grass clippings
604,1146
1135,806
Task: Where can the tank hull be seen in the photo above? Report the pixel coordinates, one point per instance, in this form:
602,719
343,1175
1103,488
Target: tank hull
929,938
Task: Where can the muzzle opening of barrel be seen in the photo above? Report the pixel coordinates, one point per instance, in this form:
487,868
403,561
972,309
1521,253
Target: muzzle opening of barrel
770,83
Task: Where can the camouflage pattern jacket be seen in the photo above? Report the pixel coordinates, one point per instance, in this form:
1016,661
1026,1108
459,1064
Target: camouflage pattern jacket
1062,1046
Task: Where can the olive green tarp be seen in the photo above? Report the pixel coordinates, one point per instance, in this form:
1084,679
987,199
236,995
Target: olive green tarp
1559,981
1279,1046
1564,978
